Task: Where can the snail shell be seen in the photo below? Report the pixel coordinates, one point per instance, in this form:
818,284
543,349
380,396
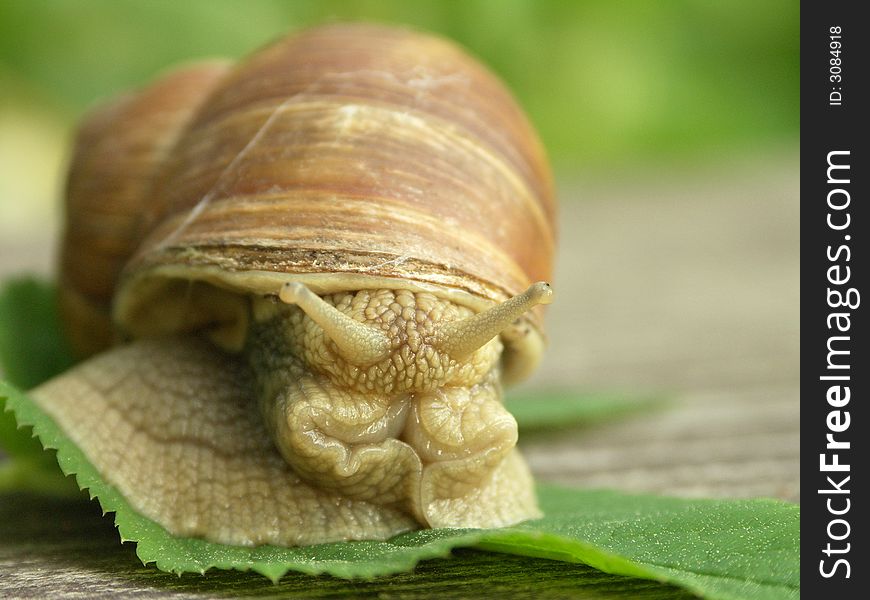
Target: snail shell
323,253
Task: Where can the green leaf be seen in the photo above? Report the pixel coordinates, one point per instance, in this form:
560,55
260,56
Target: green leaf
37,476
725,549
32,349
557,409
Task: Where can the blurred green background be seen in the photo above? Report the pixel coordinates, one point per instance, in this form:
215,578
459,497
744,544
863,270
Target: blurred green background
604,81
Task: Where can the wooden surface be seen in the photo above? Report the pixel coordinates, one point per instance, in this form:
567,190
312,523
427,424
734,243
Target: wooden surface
681,282
686,283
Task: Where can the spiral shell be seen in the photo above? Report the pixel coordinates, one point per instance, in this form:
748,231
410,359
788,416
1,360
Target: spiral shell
345,157
116,152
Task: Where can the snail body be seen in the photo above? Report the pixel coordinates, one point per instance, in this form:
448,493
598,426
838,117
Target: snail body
322,261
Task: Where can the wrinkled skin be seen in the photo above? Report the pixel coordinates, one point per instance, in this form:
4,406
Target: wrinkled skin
335,452
412,429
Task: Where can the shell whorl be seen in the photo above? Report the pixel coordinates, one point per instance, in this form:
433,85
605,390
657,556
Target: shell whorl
116,151
346,157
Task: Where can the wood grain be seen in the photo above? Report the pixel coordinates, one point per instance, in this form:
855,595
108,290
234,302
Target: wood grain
690,289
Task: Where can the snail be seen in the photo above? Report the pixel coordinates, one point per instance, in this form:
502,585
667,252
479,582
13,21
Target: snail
300,283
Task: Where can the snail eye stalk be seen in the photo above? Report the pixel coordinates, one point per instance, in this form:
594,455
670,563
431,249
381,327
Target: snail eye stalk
358,343
460,338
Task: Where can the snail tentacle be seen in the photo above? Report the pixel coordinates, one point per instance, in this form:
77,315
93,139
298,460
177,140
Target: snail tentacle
358,343
460,338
